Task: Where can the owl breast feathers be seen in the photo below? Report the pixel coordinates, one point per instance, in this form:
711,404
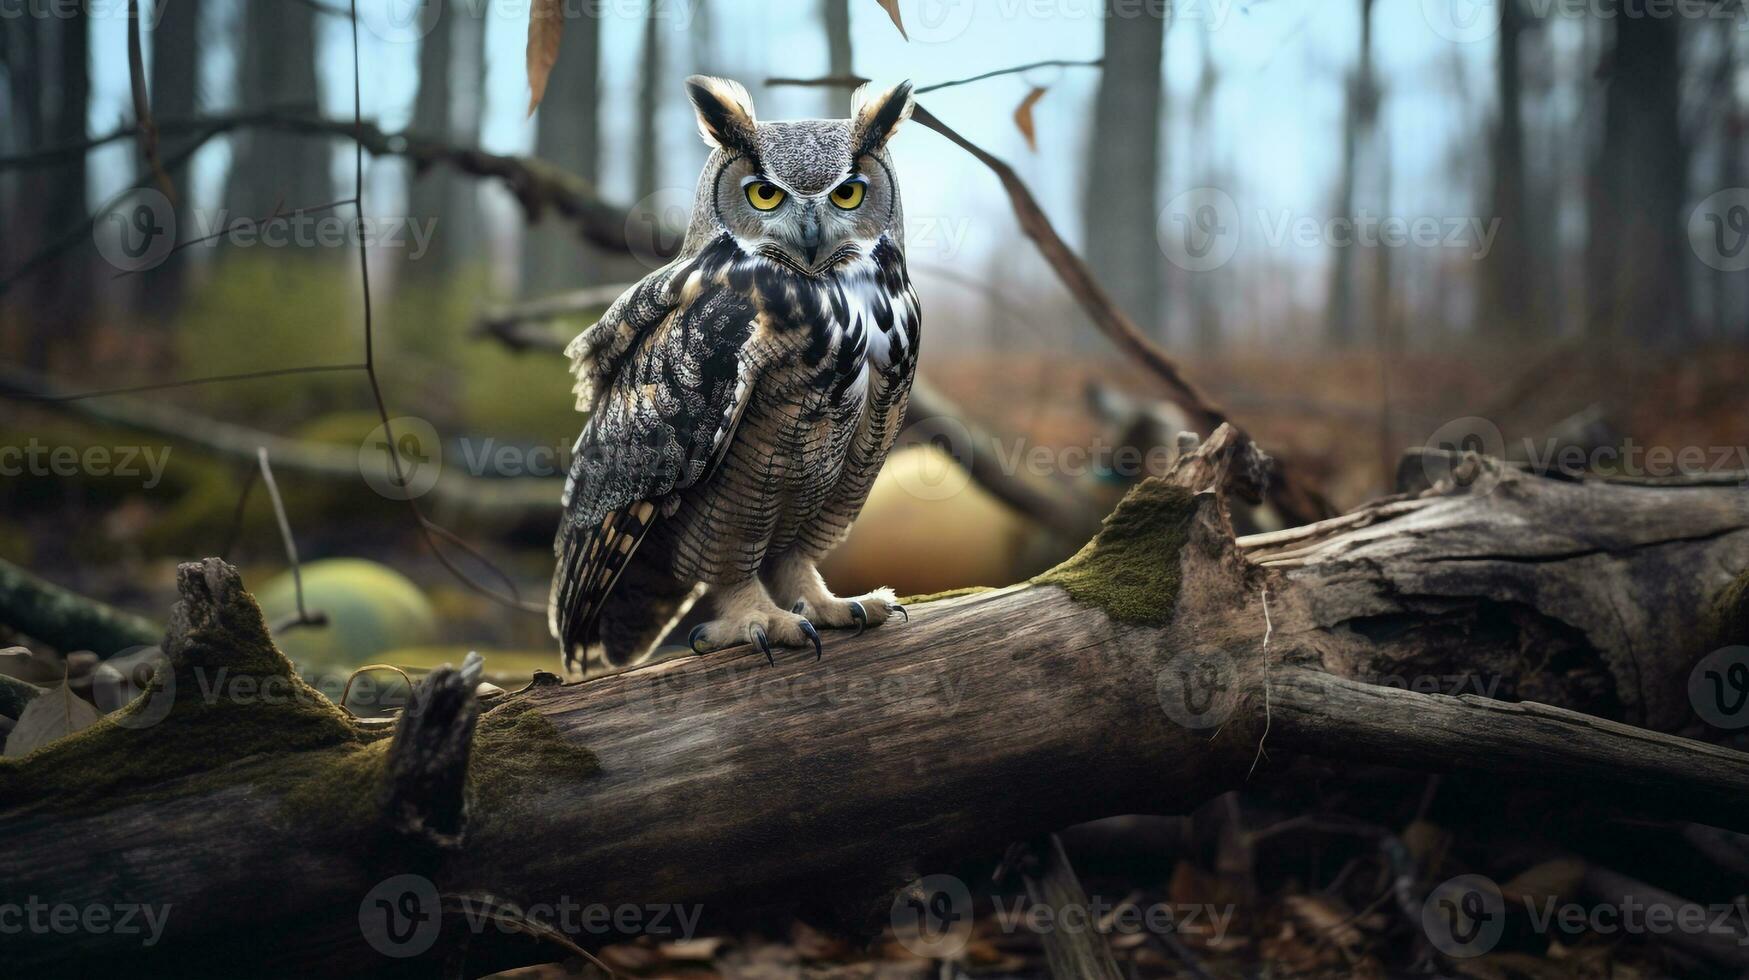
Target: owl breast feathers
742,398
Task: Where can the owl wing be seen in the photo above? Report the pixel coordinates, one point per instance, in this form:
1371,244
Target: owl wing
664,409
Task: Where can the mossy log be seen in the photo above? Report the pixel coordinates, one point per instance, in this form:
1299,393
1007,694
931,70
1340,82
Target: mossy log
721,784
47,612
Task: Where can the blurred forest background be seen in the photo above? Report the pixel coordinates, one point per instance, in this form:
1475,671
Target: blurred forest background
1353,222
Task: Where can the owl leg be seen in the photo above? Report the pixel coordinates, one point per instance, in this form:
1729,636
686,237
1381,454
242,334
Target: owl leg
797,582
746,614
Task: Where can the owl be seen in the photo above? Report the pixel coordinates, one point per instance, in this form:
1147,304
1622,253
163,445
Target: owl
742,398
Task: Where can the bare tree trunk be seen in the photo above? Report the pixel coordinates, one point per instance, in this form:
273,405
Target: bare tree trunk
723,784
1507,307
567,136
1121,200
277,66
1637,244
451,74
1357,136
55,302
175,91
836,16
649,105
1205,299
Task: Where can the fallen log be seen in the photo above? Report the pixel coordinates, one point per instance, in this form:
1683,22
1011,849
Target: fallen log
1162,665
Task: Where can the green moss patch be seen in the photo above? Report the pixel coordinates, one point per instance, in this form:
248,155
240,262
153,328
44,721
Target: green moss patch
1131,567
227,695
517,752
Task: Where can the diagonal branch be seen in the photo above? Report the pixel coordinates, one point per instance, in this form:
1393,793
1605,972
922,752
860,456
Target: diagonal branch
537,184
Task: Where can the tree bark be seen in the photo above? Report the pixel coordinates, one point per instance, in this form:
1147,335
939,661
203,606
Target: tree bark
277,64
721,783
567,134
1637,243
1360,113
175,88
1121,201
451,78
1511,265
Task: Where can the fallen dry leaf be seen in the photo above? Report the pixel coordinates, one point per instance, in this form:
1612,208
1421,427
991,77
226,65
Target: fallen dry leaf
1325,919
53,714
1554,879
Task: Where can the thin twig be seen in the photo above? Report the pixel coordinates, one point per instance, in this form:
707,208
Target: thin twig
1017,69
142,102
1268,632
537,184
427,527
303,617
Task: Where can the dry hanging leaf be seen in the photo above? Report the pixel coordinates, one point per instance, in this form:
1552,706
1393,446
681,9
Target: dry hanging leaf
892,9
49,716
1023,116
546,26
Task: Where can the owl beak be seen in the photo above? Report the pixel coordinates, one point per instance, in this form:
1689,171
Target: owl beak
812,233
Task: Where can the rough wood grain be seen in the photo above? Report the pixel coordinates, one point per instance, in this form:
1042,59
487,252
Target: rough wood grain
726,785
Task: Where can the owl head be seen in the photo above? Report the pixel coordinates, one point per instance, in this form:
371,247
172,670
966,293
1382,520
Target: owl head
807,194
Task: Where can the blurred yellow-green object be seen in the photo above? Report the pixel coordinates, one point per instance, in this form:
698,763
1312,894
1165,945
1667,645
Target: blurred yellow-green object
371,609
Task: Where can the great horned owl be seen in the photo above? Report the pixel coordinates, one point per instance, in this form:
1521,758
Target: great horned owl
742,398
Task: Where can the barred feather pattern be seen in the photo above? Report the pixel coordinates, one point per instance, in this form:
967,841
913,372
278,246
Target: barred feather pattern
739,414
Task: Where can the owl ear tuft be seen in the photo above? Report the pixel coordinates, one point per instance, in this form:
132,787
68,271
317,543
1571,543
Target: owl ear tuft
875,116
725,112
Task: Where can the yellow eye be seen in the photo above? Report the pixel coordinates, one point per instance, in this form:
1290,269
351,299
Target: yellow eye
764,195
848,195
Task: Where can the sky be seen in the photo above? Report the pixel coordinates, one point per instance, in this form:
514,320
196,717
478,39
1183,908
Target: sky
1278,108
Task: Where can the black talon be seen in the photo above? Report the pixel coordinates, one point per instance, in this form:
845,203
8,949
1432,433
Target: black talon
692,639
764,644
799,606
895,607
812,634
860,615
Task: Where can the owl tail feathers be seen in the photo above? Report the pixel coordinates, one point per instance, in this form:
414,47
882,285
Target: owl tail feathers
608,606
